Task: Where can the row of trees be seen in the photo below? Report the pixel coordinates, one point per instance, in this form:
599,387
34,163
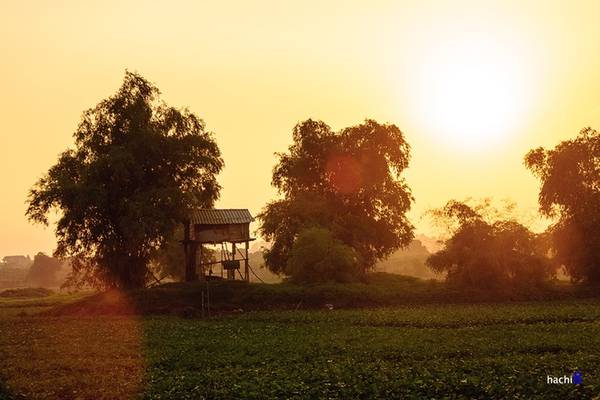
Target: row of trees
42,271
138,166
484,247
487,251
494,251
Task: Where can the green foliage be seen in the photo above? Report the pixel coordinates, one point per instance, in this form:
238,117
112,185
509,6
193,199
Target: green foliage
481,351
137,167
570,192
5,393
347,182
490,254
317,256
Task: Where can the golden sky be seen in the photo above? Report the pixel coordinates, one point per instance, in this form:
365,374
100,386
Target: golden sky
473,84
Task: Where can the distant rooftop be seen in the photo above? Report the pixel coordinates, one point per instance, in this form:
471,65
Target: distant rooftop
211,216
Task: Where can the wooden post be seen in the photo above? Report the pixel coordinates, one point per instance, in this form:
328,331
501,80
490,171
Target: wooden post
231,272
202,266
246,265
193,265
187,250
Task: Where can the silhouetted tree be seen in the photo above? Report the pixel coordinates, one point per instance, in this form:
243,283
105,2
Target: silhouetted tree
483,253
570,192
43,271
347,182
137,167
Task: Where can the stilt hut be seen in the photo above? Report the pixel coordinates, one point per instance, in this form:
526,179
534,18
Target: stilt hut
226,228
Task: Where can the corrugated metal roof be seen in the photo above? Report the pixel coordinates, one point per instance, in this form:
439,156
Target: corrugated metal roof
211,216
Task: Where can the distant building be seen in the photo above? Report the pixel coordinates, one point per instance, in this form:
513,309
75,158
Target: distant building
23,262
14,270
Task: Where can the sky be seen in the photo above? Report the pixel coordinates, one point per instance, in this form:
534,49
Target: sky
473,85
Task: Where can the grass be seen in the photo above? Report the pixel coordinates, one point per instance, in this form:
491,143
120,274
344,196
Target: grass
382,290
27,292
484,350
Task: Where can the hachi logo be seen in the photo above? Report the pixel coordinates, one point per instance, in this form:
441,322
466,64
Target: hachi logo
575,379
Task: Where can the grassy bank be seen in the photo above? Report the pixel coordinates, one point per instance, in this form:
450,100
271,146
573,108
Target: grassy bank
380,290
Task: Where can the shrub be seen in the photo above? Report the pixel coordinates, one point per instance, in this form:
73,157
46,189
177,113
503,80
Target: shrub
316,256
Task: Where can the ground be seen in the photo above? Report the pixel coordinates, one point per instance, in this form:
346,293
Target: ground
486,350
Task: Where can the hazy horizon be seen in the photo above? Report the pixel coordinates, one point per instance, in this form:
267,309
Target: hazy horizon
472,90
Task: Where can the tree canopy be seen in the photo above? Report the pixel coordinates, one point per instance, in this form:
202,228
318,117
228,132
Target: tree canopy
347,182
489,253
570,193
137,166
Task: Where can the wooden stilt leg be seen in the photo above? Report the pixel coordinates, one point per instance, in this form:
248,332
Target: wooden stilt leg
246,265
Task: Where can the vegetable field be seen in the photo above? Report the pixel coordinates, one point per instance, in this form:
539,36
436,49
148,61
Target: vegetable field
429,351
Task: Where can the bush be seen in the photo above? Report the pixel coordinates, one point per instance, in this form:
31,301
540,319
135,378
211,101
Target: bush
491,254
317,256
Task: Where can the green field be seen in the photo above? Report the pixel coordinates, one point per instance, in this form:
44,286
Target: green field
427,351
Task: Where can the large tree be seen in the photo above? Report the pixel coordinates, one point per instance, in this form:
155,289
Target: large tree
348,182
570,193
137,167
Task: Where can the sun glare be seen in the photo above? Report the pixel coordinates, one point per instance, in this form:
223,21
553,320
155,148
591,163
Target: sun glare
471,94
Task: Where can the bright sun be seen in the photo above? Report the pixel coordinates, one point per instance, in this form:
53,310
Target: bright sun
471,94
